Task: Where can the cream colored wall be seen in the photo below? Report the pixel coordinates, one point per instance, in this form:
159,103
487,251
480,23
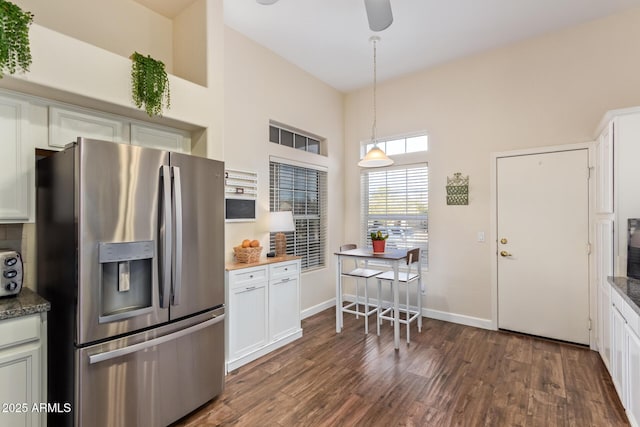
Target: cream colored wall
260,86
190,43
546,91
119,26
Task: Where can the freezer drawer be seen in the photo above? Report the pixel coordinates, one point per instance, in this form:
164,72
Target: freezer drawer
152,378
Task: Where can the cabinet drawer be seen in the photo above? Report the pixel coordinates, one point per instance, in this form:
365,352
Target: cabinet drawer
284,269
19,330
632,318
241,278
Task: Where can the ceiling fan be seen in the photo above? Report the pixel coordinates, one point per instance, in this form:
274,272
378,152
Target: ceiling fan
378,13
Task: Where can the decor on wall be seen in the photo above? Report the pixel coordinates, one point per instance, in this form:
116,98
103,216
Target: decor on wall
375,157
149,84
15,51
240,194
458,189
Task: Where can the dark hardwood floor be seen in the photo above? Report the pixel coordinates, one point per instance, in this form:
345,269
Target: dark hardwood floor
450,375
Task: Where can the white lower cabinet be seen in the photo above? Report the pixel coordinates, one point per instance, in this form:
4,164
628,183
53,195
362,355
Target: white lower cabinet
625,355
284,300
618,356
263,309
633,374
21,372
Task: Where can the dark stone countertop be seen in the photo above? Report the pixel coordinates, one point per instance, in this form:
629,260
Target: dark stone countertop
25,303
629,289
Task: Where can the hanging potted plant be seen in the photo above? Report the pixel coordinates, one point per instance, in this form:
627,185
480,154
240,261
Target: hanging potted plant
15,53
378,241
149,84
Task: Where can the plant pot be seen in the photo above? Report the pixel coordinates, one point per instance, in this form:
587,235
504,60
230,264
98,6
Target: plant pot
378,246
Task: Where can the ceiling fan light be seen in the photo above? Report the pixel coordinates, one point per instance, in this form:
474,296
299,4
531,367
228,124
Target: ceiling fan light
375,158
379,14
266,2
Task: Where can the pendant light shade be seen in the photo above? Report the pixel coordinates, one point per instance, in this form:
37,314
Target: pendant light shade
375,158
266,2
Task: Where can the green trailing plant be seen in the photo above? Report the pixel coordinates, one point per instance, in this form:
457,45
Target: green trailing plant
15,52
379,236
149,84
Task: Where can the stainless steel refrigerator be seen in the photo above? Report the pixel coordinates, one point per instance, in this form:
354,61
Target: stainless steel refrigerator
130,255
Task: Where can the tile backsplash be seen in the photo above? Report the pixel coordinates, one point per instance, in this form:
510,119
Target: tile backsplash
22,238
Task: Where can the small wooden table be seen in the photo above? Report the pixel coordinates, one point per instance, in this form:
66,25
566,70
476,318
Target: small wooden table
392,256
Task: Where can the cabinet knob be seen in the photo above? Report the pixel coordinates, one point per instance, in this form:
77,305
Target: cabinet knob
251,276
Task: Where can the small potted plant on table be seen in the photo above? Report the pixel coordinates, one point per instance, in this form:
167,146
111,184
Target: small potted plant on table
378,241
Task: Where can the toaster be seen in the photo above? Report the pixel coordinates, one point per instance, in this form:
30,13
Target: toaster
12,272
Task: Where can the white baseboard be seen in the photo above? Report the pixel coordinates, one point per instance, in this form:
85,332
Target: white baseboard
460,319
308,312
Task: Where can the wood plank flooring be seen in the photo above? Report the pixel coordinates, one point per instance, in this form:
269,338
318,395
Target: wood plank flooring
450,375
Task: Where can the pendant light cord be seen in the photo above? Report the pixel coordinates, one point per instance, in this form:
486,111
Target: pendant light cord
373,127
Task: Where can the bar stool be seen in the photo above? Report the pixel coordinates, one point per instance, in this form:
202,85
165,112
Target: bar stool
360,273
413,257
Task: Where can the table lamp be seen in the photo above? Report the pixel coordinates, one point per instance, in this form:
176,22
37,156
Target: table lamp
281,222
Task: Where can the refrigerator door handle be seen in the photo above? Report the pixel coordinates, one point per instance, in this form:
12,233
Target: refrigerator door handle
166,237
112,354
177,271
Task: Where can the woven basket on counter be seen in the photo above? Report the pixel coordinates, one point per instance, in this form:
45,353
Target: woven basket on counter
247,255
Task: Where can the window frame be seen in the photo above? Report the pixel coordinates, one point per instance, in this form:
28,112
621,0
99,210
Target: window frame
312,259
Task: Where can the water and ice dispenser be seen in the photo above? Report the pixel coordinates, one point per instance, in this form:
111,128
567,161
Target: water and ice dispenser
126,279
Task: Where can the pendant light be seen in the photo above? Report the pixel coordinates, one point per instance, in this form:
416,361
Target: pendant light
375,157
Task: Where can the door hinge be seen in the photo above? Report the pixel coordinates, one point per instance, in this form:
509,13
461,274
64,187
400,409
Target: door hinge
589,169
589,324
588,248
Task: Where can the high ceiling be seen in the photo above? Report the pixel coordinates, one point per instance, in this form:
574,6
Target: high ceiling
330,38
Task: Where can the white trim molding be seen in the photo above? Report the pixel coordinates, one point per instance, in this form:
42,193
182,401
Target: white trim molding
308,312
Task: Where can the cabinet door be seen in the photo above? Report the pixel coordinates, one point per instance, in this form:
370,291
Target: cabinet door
604,324
284,307
604,170
633,388
618,355
66,126
160,138
20,377
16,173
247,319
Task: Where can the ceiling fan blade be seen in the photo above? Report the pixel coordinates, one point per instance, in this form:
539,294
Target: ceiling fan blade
379,14
266,1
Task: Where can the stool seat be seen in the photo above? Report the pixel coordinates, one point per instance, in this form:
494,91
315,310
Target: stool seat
402,276
362,272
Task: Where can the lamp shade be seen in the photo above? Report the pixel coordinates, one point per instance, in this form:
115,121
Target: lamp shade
281,222
375,158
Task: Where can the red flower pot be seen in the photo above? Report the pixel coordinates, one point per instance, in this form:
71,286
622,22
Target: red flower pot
378,246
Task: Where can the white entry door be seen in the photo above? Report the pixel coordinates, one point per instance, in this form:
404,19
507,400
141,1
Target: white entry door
543,226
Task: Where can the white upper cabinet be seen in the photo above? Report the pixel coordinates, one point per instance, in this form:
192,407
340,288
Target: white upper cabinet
16,173
160,138
66,125
604,170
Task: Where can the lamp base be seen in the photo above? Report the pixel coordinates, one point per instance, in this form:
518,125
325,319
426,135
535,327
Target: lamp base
281,244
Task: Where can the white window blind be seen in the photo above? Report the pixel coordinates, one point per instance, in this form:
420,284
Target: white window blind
396,201
304,192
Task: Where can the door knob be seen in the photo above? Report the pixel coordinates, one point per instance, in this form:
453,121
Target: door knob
505,253
503,241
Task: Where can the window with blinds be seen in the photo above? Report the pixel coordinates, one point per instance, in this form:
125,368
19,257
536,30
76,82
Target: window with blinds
304,192
395,200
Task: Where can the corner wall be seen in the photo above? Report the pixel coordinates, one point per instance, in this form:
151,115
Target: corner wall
260,86
550,90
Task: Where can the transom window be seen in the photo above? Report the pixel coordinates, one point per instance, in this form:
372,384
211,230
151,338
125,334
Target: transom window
405,145
296,139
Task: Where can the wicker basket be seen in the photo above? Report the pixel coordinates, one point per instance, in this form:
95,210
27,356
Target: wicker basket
247,255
